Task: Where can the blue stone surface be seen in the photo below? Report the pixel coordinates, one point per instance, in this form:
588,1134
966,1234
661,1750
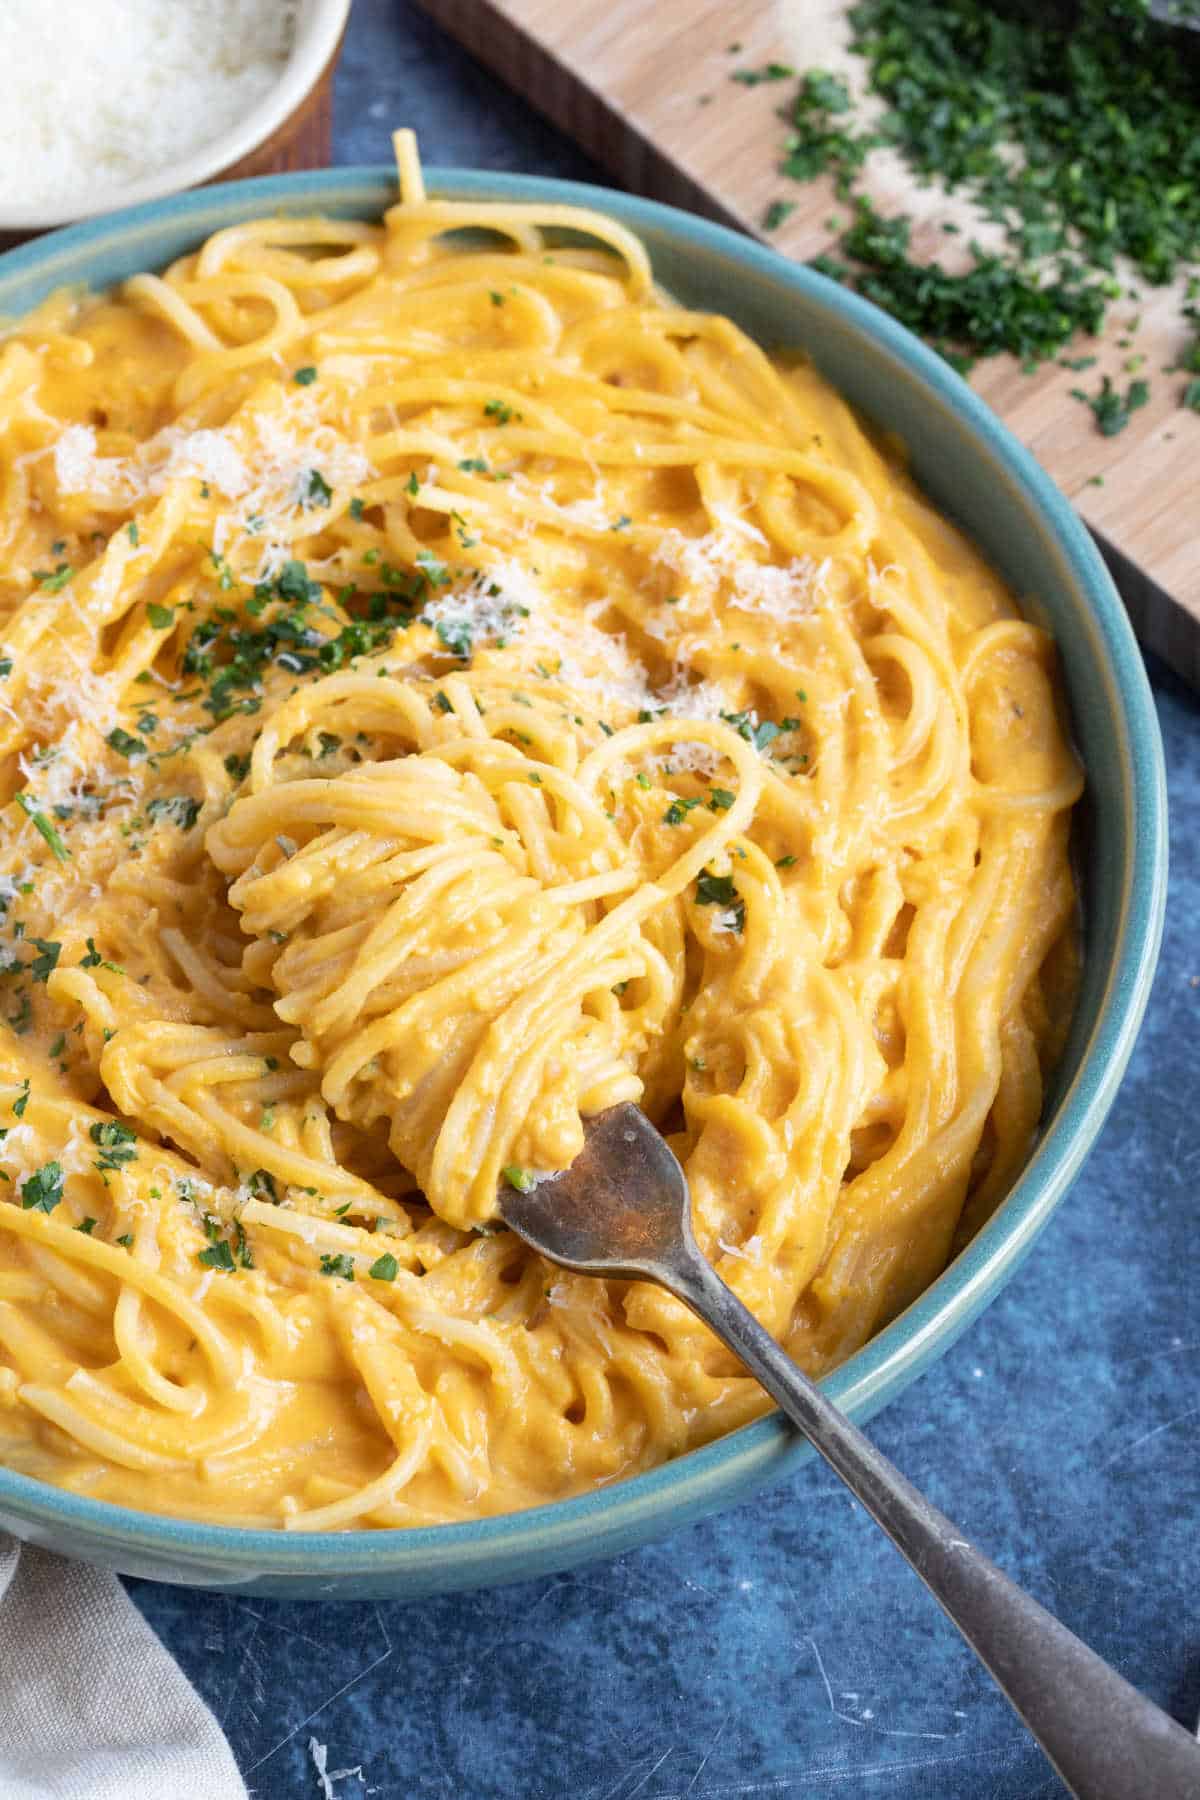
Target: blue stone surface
783,1649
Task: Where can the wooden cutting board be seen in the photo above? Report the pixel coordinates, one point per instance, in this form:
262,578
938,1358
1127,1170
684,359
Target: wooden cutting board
647,88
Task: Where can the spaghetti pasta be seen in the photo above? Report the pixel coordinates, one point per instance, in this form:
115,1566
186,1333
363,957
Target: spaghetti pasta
448,688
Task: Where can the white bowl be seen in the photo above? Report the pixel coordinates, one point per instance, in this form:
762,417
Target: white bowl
319,25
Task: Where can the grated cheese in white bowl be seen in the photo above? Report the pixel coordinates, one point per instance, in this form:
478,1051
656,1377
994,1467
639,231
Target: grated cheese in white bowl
106,102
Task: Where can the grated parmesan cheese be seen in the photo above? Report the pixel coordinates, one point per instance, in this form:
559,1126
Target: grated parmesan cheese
99,93
266,479
721,557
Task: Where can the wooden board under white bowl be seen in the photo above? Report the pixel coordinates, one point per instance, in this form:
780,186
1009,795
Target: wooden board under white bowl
646,88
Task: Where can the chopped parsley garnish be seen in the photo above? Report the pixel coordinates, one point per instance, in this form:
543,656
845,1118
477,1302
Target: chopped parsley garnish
720,799
218,1256
519,1178
238,767
501,411
41,824
51,581
6,666
306,376
44,1189
116,1142
457,636
242,1246
1112,409
124,743
180,809
125,1240
225,575
719,890
341,1266
131,532
715,890
43,966
288,638
1072,128
22,1100
356,508
759,733
776,213
785,862
621,524
87,1226
772,71
435,572
385,1268
412,485
161,617
678,811
313,490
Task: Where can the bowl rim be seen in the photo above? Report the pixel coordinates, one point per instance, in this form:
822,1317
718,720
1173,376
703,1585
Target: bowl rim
556,1533
318,27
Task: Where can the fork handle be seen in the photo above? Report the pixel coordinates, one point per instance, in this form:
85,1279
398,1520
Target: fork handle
1107,1741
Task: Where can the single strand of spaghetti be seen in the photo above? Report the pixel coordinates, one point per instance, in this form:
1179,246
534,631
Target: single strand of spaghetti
1002,634
525,224
456,392
1055,798
363,1500
321,1234
152,291
18,1285
228,245
410,177
924,694
130,1333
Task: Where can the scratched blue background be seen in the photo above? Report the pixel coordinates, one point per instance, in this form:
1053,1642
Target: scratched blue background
784,1649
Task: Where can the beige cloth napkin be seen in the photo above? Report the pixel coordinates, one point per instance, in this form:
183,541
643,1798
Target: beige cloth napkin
92,1707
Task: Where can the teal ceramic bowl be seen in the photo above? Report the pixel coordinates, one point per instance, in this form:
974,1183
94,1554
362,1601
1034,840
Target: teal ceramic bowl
977,473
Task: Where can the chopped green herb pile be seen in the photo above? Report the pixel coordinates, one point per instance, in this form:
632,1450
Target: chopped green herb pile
1076,129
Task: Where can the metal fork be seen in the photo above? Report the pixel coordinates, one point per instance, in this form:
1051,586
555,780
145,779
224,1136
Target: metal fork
623,1209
